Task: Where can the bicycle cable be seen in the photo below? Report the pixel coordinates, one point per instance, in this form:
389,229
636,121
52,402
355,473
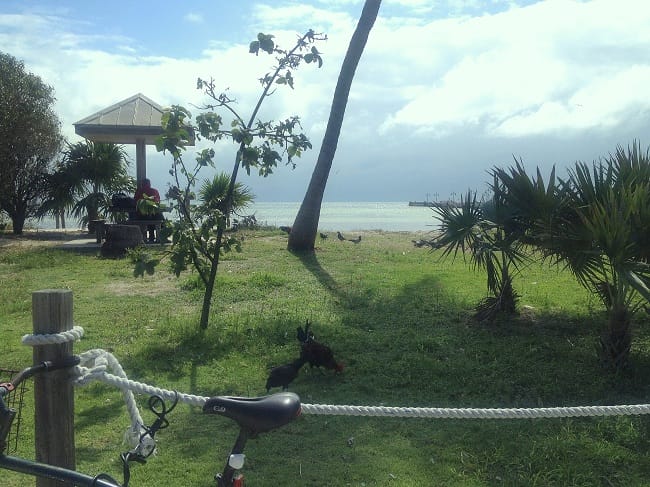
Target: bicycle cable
144,448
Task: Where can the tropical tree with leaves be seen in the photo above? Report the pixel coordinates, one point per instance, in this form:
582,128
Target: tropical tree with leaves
30,139
305,225
59,198
94,171
484,233
207,214
199,234
596,222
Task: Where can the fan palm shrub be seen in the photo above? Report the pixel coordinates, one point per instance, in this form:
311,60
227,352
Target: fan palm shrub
59,195
597,224
486,234
94,171
194,233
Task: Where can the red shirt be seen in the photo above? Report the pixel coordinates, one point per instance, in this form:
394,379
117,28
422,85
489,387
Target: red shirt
149,191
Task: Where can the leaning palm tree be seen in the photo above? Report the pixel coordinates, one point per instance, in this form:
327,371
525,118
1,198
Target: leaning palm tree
596,223
95,170
485,233
305,225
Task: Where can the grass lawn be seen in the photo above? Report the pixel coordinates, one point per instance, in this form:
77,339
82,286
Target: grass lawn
397,316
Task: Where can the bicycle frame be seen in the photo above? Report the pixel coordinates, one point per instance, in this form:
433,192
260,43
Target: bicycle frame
30,467
253,415
36,469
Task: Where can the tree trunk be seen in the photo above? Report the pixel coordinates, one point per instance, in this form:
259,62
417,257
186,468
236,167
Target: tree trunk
17,223
305,226
616,342
119,238
209,286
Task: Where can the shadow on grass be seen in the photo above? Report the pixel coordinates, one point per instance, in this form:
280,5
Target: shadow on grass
310,261
416,346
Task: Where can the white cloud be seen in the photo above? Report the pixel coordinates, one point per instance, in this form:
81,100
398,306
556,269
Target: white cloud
193,18
605,102
512,72
562,67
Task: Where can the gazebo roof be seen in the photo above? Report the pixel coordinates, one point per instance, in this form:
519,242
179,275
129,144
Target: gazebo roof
137,117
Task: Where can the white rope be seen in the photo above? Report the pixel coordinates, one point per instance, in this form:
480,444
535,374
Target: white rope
95,364
86,371
476,413
126,384
54,338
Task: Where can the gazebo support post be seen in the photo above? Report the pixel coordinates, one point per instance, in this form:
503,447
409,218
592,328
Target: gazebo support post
140,159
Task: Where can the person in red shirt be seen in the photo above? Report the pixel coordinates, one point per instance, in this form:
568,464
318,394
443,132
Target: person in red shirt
145,188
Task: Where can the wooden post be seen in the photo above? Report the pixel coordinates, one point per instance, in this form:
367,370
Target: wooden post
140,160
53,392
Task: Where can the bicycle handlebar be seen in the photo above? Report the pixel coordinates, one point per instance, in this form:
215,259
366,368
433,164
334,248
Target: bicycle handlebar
47,366
7,414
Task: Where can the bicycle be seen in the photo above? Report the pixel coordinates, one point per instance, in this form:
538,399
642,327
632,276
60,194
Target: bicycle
253,415
30,467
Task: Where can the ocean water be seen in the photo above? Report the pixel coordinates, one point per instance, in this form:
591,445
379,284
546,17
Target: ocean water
334,216
388,216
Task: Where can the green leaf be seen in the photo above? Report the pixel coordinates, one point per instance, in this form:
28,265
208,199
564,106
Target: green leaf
289,79
638,284
265,42
254,47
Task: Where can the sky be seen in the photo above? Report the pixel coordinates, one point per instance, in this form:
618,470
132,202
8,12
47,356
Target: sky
445,90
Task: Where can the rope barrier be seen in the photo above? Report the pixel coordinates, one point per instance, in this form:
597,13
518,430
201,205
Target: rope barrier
95,364
476,413
91,368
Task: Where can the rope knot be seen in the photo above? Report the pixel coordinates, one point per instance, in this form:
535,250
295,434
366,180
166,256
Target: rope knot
53,338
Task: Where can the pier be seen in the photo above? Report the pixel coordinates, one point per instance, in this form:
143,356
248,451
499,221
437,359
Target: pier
436,204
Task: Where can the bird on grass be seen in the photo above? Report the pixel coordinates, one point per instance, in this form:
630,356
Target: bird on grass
286,229
355,240
283,375
340,237
314,353
305,334
323,235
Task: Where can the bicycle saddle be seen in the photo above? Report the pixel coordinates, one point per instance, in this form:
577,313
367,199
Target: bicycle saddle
256,414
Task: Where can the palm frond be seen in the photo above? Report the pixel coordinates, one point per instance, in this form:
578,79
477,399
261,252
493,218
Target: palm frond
459,226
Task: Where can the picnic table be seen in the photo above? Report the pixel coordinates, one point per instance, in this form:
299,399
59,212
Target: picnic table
103,229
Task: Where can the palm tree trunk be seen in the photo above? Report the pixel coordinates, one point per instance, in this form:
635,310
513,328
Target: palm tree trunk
616,343
305,226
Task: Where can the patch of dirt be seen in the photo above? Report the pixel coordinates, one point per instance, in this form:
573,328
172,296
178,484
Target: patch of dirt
148,286
41,238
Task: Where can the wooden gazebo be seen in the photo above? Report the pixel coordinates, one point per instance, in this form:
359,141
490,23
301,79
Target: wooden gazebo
135,120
